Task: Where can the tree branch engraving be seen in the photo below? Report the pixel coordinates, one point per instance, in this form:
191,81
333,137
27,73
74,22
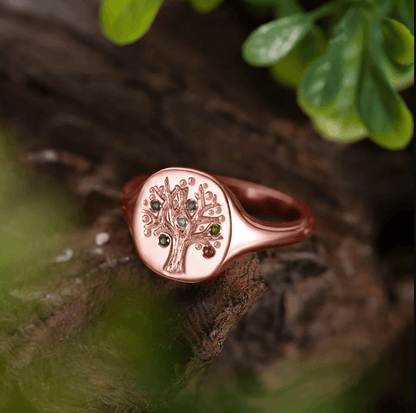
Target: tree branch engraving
180,221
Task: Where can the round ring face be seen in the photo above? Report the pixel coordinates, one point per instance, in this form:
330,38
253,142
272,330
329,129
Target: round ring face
182,224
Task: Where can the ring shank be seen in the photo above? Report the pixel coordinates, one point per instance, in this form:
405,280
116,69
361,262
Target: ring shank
252,234
258,199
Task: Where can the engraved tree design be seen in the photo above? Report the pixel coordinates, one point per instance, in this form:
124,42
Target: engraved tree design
181,221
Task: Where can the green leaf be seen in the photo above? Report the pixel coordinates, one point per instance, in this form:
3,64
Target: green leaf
400,76
405,13
385,7
205,6
272,41
259,8
346,127
382,110
125,21
285,8
322,80
344,121
384,113
398,41
289,70
340,121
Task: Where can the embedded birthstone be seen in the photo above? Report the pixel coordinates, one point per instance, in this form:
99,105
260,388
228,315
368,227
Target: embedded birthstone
215,229
164,240
182,222
208,251
191,205
155,205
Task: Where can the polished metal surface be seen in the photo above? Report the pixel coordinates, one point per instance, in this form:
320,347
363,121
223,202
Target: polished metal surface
198,243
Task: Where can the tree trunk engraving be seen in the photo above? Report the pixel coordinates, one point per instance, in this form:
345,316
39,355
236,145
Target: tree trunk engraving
180,221
175,261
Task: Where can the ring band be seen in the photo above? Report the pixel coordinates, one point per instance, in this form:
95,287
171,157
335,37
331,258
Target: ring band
189,226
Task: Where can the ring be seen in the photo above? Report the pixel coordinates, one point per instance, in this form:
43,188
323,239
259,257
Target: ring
189,226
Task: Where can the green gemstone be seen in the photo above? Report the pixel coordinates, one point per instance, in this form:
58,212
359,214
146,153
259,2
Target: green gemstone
164,240
215,229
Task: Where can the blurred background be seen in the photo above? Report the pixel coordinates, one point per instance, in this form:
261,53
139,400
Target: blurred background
79,117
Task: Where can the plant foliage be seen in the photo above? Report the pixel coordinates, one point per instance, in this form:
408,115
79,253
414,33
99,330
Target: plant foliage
347,79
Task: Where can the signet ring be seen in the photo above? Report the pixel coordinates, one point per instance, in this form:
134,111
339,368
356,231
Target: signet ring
189,225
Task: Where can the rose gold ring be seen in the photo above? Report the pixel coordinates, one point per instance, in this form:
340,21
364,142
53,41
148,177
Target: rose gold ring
189,226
